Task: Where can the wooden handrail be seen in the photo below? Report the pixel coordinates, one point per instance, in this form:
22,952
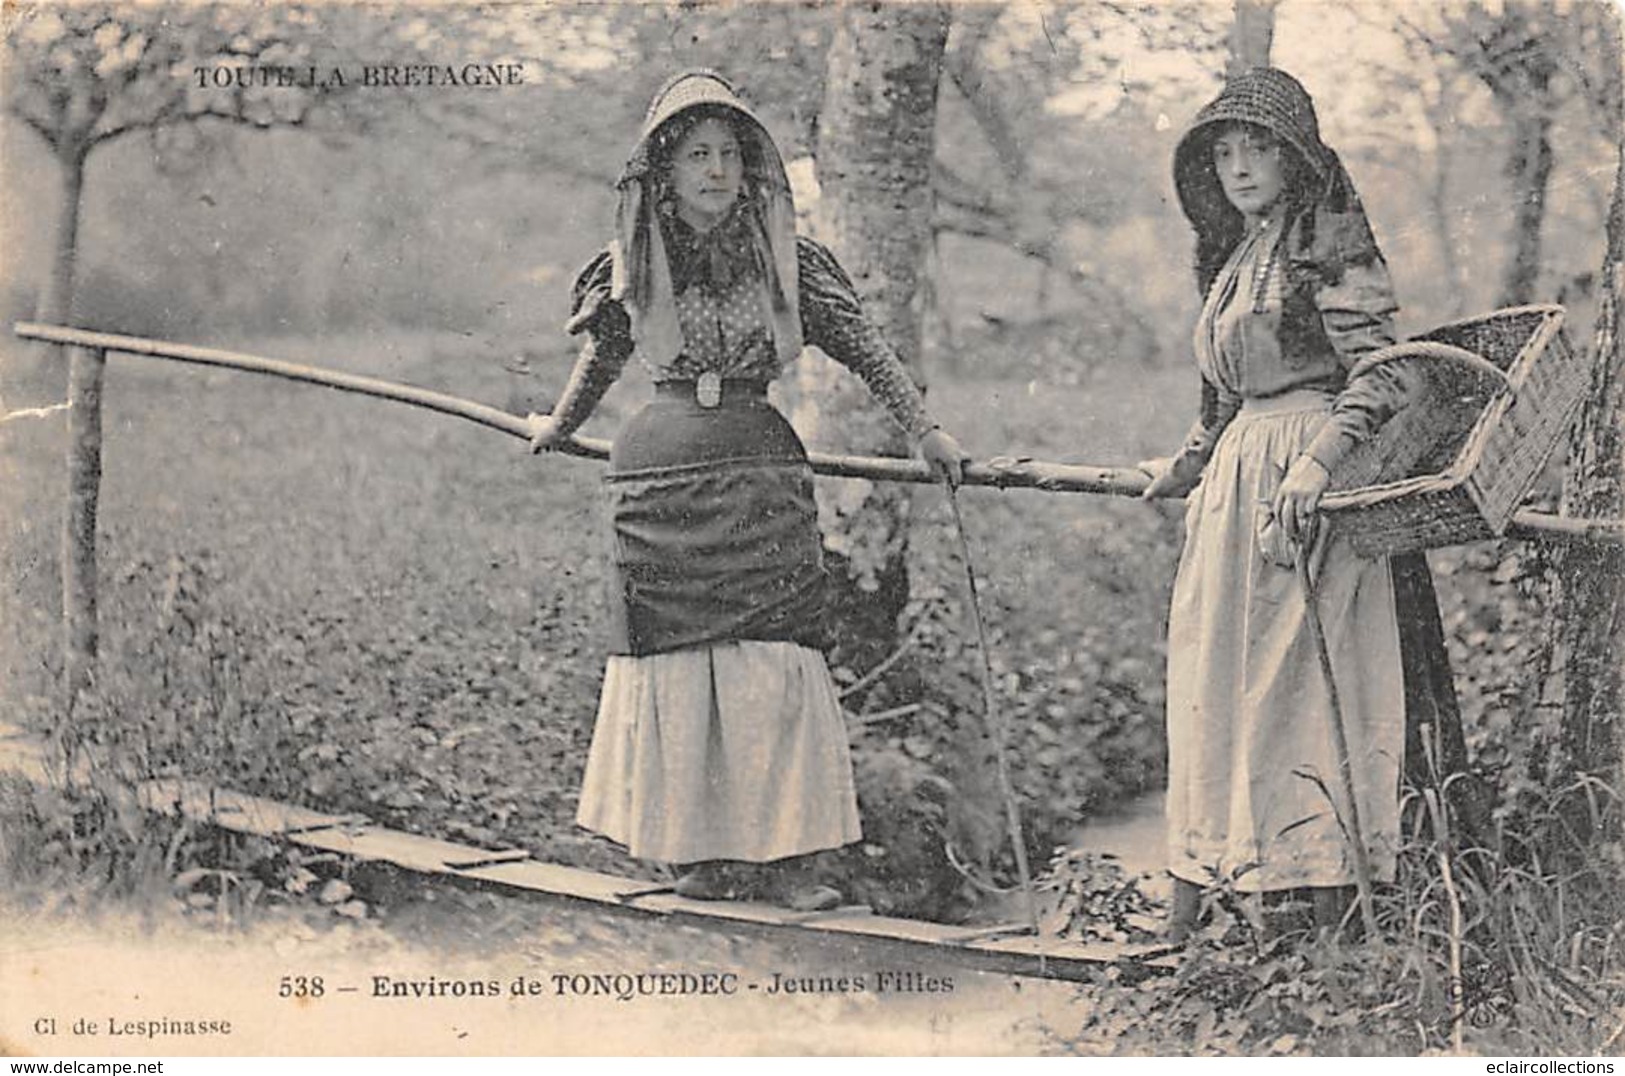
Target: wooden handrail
996,473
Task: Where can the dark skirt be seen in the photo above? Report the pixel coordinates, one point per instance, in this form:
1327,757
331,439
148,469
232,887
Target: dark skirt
714,526
1435,743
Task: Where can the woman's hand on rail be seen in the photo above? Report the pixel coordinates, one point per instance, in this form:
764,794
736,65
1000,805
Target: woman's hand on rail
545,432
942,452
1298,499
1171,476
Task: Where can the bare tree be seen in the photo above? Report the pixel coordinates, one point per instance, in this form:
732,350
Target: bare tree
1251,35
1422,80
1020,206
83,77
1518,70
591,67
1536,63
1527,60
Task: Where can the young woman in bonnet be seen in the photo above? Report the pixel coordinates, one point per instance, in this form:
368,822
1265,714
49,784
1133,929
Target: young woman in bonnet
720,745
1294,291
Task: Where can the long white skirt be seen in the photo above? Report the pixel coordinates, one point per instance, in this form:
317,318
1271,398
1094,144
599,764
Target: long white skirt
1253,773
736,751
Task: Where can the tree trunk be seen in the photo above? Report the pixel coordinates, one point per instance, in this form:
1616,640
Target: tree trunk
1591,577
1441,117
84,445
1251,35
79,529
1529,167
876,139
56,306
1511,51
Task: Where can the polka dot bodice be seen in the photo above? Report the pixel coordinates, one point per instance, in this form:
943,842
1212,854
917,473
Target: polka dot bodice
725,333
727,330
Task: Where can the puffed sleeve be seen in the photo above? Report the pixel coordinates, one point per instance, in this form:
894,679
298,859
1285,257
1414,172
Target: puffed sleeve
1218,407
833,320
604,353
1357,313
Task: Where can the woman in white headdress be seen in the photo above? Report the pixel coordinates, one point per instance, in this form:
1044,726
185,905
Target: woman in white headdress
720,745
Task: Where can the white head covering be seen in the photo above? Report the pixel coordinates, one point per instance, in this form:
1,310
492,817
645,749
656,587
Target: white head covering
641,274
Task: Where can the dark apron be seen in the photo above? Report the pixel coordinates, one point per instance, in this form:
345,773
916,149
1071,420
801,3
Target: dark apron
714,526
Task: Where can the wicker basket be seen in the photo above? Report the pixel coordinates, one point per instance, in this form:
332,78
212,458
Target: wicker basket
1453,465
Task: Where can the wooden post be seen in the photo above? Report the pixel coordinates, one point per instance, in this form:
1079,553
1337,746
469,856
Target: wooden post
79,526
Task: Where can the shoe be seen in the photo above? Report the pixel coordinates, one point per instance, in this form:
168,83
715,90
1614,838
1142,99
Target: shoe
710,880
793,883
1332,905
1187,908
810,898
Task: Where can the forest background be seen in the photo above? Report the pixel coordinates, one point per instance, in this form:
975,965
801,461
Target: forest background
363,607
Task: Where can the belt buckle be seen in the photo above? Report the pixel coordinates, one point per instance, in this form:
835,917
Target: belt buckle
708,389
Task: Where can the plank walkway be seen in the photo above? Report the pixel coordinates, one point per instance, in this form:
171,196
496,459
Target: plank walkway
1007,949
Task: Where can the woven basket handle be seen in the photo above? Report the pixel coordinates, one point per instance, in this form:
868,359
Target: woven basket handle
1431,349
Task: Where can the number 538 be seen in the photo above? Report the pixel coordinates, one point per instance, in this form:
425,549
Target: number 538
301,986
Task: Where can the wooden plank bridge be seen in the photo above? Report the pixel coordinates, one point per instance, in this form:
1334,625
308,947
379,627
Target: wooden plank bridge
1006,949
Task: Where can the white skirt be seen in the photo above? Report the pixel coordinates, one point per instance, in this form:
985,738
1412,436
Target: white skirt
735,751
1252,771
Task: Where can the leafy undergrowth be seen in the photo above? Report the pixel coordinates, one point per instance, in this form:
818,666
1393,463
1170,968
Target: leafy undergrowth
77,849
1076,686
1514,946
1535,965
